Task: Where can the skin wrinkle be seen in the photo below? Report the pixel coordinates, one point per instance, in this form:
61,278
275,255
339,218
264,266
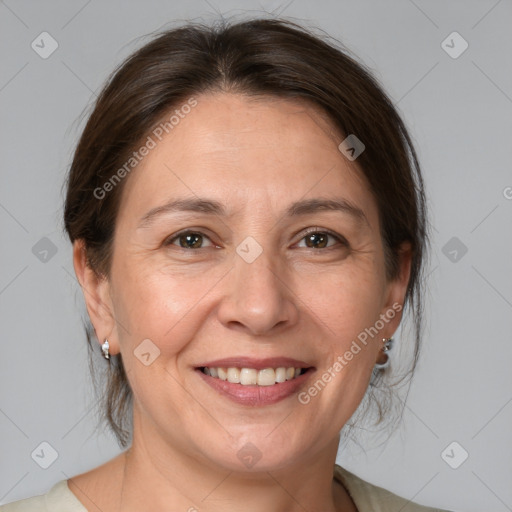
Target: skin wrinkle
293,301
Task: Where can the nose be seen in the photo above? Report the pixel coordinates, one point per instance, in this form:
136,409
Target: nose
259,300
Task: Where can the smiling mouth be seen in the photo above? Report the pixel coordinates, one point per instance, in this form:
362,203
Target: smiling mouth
252,376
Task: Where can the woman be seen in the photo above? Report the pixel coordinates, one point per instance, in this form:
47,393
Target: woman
248,224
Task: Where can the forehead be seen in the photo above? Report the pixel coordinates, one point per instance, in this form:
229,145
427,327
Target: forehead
257,151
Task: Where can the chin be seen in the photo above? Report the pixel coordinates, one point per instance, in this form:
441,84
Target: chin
256,453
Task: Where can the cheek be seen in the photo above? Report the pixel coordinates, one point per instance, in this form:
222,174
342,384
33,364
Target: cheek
349,308
346,302
163,309
154,303
168,305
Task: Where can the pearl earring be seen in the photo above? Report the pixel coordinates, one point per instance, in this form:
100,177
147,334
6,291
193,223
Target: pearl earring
388,344
105,348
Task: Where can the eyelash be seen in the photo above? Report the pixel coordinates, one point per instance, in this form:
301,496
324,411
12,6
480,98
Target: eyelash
308,231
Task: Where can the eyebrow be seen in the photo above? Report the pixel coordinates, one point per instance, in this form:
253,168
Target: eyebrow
213,207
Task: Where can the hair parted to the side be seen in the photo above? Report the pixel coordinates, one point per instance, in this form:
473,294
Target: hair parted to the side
261,57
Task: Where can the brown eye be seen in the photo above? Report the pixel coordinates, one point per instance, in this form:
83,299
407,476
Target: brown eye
320,239
188,240
317,240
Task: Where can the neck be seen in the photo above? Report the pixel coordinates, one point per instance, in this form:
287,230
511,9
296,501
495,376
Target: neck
156,475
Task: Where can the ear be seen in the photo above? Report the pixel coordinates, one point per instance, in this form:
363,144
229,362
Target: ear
396,291
96,290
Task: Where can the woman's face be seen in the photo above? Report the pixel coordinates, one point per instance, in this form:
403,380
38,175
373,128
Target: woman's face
232,278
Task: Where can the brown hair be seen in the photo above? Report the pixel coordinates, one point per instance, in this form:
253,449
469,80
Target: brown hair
258,57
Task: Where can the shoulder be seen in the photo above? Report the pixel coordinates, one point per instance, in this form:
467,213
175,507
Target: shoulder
58,499
370,498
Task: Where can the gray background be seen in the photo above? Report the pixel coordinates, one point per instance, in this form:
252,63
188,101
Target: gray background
459,111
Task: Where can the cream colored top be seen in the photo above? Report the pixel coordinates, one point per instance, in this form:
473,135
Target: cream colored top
367,497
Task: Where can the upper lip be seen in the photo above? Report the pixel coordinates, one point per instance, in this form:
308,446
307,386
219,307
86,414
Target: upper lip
257,364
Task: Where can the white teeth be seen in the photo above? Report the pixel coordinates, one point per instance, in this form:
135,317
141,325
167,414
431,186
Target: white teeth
252,377
280,374
248,376
266,377
234,375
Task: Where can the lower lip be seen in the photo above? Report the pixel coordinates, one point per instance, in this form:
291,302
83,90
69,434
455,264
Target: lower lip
256,395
